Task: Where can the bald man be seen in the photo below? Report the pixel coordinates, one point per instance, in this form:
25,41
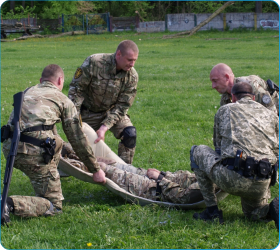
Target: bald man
223,79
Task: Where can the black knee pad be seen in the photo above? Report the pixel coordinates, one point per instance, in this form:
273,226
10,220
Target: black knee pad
129,137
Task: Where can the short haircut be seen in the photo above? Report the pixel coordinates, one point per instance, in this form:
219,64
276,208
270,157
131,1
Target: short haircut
242,89
52,72
125,45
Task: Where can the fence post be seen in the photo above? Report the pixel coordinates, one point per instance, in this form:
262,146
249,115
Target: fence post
225,21
255,21
87,23
166,22
111,24
83,23
62,22
137,21
195,20
108,21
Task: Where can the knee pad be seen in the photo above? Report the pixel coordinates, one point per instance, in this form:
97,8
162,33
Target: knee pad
128,136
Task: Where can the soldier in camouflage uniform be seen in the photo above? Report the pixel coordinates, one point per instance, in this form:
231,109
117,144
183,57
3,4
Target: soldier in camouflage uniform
247,126
44,105
223,79
180,187
103,89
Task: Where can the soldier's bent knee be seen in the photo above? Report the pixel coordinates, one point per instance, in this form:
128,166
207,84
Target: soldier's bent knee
128,137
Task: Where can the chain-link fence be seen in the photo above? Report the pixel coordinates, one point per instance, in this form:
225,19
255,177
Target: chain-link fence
73,23
92,23
97,23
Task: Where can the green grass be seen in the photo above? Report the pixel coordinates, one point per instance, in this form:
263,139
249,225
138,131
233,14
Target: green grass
173,110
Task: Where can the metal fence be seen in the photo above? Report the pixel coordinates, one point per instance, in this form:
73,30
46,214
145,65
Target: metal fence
73,23
92,23
97,23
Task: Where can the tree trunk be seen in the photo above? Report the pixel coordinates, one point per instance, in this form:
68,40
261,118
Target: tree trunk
196,28
184,7
258,6
12,5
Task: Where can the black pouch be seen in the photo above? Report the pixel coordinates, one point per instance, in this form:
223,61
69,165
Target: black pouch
5,132
249,169
49,147
274,174
264,169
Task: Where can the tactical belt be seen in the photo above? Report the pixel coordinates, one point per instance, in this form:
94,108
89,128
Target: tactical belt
30,139
251,168
83,107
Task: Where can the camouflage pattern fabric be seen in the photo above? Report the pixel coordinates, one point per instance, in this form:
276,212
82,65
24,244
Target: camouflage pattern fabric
250,127
99,87
106,94
261,92
46,104
178,187
45,181
141,185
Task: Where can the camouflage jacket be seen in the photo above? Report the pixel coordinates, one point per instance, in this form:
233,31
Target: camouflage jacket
99,87
45,104
261,92
248,126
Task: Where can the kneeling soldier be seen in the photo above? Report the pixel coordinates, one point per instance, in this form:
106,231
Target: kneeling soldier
40,146
245,160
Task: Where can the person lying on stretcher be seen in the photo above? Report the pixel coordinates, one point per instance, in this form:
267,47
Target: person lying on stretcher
180,187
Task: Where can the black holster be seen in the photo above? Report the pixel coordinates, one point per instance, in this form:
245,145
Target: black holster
5,132
274,174
49,147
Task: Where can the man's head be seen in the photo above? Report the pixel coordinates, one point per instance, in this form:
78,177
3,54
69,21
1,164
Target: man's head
222,78
240,90
126,55
53,73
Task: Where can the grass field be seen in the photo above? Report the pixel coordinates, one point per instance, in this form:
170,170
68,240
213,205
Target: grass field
173,110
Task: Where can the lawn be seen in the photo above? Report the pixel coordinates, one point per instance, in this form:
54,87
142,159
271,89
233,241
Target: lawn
173,110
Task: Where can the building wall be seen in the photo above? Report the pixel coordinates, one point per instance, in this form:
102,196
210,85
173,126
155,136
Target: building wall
187,21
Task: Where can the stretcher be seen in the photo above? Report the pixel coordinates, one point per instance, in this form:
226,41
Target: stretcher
101,149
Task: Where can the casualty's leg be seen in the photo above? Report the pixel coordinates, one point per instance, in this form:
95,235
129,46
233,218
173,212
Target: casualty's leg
135,184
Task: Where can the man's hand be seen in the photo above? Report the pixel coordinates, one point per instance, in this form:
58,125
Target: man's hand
99,177
153,173
101,133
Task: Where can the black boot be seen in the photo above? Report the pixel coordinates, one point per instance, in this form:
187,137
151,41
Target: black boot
206,215
9,207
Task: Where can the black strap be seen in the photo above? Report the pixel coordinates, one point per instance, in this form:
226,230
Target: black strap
38,128
160,177
32,140
26,89
29,139
250,167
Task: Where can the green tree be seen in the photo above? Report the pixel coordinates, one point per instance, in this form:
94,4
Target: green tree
56,8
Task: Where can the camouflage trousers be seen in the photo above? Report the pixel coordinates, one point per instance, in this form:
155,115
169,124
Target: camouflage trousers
254,193
45,181
95,120
135,181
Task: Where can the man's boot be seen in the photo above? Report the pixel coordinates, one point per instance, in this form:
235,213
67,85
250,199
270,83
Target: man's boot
52,211
210,215
9,208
